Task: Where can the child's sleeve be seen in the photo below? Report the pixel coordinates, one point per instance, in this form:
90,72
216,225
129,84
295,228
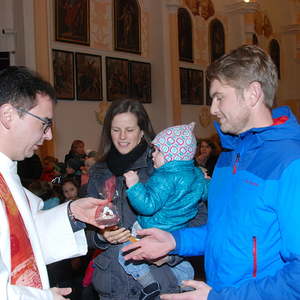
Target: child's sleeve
148,198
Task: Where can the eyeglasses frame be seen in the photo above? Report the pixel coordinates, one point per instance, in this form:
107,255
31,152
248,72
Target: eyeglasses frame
46,121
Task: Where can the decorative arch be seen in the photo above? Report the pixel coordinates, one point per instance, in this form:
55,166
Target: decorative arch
185,35
217,39
274,50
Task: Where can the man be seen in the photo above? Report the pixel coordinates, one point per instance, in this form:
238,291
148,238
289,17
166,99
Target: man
251,241
29,237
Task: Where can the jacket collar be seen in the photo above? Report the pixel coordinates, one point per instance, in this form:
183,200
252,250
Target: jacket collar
254,137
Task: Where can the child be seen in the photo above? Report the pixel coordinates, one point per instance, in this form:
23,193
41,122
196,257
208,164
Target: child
70,189
169,199
50,168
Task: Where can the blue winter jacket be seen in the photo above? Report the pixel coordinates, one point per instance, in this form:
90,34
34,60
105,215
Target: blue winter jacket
170,198
252,241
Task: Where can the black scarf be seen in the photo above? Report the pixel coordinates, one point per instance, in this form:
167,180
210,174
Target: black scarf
119,163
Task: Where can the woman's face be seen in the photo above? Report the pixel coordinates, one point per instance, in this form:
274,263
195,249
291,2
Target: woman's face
79,149
205,149
125,132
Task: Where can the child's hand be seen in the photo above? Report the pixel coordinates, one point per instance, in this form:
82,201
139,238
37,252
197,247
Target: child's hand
131,178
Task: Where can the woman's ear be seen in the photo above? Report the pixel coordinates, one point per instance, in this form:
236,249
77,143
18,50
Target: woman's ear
6,115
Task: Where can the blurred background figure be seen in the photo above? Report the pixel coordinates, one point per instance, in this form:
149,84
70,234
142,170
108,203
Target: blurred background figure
207,155
70,189
74,160
30,169
51,168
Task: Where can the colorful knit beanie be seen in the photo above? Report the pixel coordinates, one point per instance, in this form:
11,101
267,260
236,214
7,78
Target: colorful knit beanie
177,142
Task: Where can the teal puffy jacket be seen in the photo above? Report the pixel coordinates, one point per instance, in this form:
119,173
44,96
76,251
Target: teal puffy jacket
170,198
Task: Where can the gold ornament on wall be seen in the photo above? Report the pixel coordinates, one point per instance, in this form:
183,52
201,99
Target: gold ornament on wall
100,115
262,25
194,6
204,116
207,9
205,6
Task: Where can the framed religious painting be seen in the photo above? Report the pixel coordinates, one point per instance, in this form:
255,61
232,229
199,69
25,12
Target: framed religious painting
191,86
217,39
72,21
184,85
117,78
185,35
127,26
196,87
140,81
88,77
63,74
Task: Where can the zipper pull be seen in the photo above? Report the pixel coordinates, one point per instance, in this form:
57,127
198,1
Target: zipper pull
236,163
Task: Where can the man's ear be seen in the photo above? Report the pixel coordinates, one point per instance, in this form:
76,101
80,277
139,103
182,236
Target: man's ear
255,93
6,115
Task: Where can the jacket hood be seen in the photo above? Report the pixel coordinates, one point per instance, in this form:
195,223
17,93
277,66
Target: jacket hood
288,129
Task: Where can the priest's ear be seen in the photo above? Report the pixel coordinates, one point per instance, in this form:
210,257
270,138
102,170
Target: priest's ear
7,113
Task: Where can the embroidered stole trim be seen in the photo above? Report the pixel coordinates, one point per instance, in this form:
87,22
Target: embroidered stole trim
24,269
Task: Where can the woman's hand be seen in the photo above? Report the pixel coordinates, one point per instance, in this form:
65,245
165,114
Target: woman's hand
118,236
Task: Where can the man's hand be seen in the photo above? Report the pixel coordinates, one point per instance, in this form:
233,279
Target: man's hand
200,293
155,243
84,209
58,293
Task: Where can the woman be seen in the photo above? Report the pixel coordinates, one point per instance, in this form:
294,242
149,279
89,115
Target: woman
207,156
124,146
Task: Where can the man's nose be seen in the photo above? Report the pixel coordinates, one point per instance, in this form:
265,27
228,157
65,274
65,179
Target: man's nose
214,107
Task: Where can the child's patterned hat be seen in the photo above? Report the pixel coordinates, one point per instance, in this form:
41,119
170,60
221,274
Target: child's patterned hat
177,142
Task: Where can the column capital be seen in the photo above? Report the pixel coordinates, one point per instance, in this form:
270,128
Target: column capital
173,5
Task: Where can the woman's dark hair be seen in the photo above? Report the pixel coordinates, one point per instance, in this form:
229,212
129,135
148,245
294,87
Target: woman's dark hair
75,144
71,180
210,143
119,107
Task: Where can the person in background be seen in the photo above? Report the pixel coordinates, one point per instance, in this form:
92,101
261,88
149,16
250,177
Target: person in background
70,189
30,169
30,237
45,190
74,160
50,168
207,155
88,163
251,243
169,199
125,138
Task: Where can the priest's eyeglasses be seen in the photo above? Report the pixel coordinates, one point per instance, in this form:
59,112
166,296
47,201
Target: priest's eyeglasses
47,123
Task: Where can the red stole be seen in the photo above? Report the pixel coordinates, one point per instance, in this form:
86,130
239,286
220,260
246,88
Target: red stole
24,270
